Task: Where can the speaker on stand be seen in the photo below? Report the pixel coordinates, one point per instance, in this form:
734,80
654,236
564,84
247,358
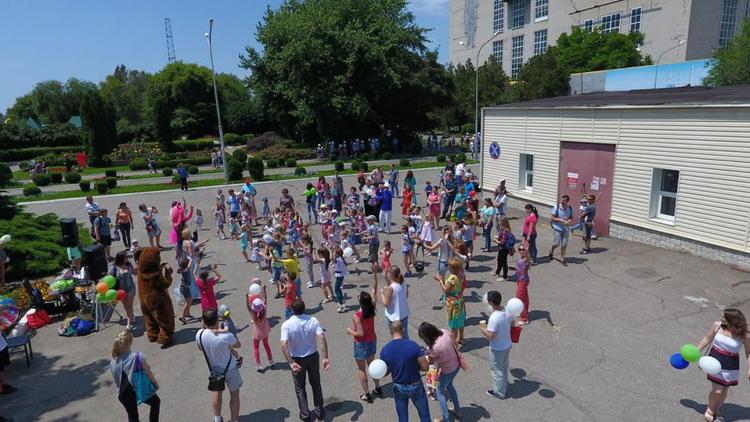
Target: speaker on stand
69,228
95,261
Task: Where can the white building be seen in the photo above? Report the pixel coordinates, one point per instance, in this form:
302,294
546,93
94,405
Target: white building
671,167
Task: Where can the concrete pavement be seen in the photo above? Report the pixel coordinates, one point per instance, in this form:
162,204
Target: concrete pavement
597,349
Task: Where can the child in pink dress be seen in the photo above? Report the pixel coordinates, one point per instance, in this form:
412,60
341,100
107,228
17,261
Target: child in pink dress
256,306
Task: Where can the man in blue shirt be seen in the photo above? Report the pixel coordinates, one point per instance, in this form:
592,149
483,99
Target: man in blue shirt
562,218
451,187
385,197
405,359
183,173
234,204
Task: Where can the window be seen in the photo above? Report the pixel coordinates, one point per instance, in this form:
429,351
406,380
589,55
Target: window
526,172
635,20
611,23
664,194
519,13
588,25
517,56
728,22
540,42
497,52
498,17
541,10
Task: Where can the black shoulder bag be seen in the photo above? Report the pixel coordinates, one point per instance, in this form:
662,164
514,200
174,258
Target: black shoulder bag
216,382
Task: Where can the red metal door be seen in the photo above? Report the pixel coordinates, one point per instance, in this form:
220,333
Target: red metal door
588,168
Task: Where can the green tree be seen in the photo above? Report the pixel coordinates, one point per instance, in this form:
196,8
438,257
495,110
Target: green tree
584,51
51,101
98,119
493,84
341,68
541,77
731,64
126,91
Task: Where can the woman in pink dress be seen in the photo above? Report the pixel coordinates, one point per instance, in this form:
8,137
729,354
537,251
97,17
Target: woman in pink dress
433,200
178,216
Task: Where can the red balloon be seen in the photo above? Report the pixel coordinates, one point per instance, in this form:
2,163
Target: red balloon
121,295
472,193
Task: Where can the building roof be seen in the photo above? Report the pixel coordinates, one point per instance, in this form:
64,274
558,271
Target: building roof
689,95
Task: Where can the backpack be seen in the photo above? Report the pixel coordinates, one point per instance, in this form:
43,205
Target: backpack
510,241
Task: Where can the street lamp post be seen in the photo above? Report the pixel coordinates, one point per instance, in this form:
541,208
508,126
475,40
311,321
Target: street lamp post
216,97
656,70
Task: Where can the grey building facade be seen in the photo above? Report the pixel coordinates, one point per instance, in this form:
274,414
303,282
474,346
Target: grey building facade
525,28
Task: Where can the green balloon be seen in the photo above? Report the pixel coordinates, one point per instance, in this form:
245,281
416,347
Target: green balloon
111,295
690,353
101,298
109,280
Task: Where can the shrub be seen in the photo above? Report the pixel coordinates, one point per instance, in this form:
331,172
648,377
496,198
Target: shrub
138,164
239,155
110,173
85,185
131,151
195,144
193,169
101,187
264,141
338,165
234,139
404,162
234,169
300,171
72,177
360,165
291,162
29,153
272,164
31,190
166,171
386,155
176,179
467,128
111,182
282,151
355,166
459,158
42,180
6,174
441,158
365,156
56,177
255,168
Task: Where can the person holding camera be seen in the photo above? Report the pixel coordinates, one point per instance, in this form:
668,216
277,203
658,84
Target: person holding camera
216,345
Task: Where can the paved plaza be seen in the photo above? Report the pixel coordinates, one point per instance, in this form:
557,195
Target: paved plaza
597,348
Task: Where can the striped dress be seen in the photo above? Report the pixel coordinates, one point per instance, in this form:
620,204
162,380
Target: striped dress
726,350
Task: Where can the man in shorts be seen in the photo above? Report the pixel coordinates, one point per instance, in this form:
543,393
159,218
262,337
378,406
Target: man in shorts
588,212
216,345
562,218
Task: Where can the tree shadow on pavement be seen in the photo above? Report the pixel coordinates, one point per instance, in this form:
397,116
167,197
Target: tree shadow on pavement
729,411
473,343
44,386
474,412
336,409
270,415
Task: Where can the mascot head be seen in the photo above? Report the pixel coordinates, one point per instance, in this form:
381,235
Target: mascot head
149,260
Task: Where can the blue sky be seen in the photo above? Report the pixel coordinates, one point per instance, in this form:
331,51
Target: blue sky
86,39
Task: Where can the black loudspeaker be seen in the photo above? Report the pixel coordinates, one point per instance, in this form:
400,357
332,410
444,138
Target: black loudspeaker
69,229
95,261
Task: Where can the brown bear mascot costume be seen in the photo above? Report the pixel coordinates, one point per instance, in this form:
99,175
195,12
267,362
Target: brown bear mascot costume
154,279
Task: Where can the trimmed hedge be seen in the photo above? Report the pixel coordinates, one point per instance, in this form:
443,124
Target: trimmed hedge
85,186
56,177
72,177
291,162
234,169
360,165
386,155
42,180
365,156
255,168
138,164
29,153
440,158
166,171
459,158
404,162
101,187
189,161
110,173
193,170
272,164
31,190
300,171
111,182
6,174
239,155
339,165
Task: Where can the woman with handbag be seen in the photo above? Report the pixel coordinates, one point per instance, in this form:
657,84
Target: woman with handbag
453,287
444,354
124,271
152,226
135,382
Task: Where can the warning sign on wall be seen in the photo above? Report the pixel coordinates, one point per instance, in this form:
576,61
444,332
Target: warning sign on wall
572,181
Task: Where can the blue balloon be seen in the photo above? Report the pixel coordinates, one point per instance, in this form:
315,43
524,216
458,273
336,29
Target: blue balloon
678,362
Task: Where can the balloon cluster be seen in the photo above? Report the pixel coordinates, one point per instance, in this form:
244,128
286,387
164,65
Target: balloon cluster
690,353
106,290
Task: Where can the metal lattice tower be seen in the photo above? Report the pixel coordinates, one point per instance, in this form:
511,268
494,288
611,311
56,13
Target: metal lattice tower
170,41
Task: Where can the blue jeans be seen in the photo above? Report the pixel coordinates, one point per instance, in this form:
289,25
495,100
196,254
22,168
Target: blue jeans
487,233
310,212
445,384
499,362
298,283
404,323
310,272
337,290
402,393
394,188
532,246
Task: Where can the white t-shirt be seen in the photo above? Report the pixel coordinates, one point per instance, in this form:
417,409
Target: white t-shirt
460,170
500,202
217,346
499,323
92,208
399,307
301,333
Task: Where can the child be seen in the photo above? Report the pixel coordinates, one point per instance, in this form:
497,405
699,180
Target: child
307,251
228,325
186,280
522,283
427,191
292,267
134,246
199,219
406,249
339,272
324,260
289,290
353,199
206,287
220,219
349,240
266,209
467,236
245,235
256,306
385,255
234,228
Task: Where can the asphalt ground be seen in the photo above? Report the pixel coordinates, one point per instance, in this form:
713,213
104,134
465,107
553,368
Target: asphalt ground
597,348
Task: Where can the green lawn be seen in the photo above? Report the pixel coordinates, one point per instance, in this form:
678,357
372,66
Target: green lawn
205,183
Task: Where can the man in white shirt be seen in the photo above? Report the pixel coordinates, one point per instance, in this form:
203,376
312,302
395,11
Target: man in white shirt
299,343
92,209
497,331
216,345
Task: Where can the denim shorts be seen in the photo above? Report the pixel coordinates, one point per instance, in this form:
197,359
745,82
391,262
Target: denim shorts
275,274
365,349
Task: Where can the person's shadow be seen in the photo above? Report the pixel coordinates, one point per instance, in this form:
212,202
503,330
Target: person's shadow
728,411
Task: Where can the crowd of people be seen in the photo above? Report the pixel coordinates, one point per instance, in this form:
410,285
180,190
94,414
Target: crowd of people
349,224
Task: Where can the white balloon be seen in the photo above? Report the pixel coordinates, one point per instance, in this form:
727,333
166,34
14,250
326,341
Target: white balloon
254,289
514,306
709,365
348,252
377,369
267,238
